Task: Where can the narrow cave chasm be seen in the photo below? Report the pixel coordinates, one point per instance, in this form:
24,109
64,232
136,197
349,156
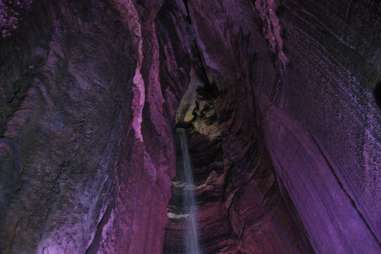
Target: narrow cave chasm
196,119
233,203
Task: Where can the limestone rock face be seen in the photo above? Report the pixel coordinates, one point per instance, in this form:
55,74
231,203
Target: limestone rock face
86,121
279,98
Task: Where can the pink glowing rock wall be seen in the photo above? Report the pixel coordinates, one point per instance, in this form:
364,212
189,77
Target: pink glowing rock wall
314,71
86,150
321,122
259,220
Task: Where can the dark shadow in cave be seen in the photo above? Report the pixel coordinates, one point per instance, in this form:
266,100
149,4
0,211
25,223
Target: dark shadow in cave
377,94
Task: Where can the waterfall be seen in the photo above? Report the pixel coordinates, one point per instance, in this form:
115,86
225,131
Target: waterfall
192,245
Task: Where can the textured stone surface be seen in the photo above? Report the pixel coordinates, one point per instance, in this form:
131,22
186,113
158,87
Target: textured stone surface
84,168
243,192
327,120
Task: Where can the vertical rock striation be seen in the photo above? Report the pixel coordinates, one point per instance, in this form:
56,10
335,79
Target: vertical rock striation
323,128
86,120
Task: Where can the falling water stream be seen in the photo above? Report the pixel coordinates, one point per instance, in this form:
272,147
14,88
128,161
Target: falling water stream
192,245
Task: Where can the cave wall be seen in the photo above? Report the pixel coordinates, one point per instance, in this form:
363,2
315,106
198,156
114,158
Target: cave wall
86,127
313,71
322,124
316,110
346,83
229,39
